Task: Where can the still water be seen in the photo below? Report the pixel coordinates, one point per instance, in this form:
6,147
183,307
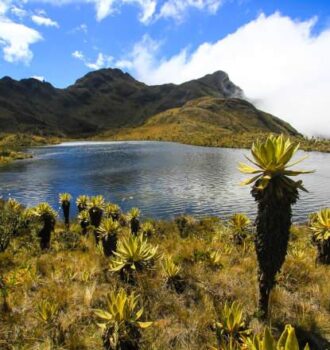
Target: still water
162,179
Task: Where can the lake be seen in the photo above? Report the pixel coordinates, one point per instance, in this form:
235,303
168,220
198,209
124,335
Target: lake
162,179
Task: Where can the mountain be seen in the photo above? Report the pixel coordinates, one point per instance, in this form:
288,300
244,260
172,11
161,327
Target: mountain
109,99
204,120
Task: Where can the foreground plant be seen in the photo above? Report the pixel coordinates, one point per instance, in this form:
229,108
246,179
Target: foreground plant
112,211
134,253
148,229
287,341
275,193
231,327
82,203
96,208
134,216
171,271
10,220
108,231
321,235
239,223
65,201
84,220
120,321
214,258
47,216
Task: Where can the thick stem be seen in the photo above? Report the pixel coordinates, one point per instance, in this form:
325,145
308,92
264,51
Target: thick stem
109,244
66,212
45,232
323,256
96,218
135,226
273,230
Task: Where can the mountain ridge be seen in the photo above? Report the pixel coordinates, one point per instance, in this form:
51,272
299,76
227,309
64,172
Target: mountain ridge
103,100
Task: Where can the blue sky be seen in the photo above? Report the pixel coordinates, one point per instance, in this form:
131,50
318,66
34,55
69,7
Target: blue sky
160,41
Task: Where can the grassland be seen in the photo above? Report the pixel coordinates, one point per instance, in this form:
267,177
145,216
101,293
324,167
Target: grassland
74,277
12,146
209,138
214,122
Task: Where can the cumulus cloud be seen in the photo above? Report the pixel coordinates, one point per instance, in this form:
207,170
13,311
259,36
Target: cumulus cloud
281,65
42,20
102,60
15,40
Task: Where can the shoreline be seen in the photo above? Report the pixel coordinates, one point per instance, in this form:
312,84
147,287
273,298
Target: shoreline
13,150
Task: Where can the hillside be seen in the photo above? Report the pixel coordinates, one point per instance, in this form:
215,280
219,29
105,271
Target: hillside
101,100
109,100
206,121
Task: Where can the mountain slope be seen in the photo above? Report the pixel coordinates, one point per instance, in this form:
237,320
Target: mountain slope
101,100
206,121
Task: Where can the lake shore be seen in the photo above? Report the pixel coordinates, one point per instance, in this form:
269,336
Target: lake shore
12,146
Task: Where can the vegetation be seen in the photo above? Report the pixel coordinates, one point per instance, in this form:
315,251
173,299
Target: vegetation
108,231
121,325
134,215
47,217
196,288
208,138
65,199
287,341
275,192
240,225
12,145
181,284
82,203
320,225
96,208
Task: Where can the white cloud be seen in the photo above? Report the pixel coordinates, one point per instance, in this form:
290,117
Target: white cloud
41,20
102,60
38,77
15,40
106,7
281,66
142,59
4,6
18,12
148,8
81,28
78,54
178,8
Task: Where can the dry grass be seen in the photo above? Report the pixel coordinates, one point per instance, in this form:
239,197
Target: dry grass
73,277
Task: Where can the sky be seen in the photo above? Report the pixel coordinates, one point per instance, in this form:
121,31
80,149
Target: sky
277,51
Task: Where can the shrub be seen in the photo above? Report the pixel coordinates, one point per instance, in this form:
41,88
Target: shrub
321,235
239,223
120,321
231,327
275,192
287,341
107,232
134,253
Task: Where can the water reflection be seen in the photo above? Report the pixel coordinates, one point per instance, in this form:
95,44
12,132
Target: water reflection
163,179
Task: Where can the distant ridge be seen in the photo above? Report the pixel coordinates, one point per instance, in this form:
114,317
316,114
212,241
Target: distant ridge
105,100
